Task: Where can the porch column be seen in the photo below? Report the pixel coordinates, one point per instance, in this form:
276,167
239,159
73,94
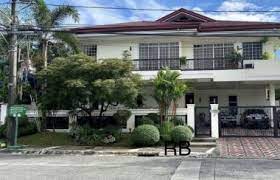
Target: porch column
191,115
272,94
3,113
272,101
214,120
130,124
72,119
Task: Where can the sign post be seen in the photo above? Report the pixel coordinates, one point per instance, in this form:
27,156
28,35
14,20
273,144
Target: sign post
16,111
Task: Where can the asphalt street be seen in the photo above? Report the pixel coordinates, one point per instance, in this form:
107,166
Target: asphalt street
15,167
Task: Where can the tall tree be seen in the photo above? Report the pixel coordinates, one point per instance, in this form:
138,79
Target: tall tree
79,82
48,19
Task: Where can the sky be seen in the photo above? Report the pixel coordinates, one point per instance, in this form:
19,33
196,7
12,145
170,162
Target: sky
105,16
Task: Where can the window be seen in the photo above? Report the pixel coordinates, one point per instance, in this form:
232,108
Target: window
205,51
211,56
252,50
154,56
158,50
232,103
90,50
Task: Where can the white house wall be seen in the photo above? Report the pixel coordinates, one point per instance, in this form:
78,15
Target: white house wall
245,97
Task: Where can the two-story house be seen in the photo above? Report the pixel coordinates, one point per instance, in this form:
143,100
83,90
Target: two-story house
229,63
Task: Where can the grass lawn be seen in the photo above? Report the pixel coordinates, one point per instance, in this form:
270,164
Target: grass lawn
123,142
45,139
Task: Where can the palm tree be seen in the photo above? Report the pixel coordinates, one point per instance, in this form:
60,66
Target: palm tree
48,19
168,89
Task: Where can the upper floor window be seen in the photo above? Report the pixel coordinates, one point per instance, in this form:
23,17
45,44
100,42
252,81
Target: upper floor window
252,50
205,51
158,50
90,50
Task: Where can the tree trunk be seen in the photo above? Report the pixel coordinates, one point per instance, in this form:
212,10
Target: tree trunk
45,52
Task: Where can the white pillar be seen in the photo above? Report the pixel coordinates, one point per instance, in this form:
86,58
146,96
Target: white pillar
191,115
3,113
272,101
130,124
214,120
72,119
272,94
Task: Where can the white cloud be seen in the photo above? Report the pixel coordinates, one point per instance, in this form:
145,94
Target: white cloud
241,5
107,16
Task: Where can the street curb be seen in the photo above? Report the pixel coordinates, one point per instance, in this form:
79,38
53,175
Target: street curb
143,152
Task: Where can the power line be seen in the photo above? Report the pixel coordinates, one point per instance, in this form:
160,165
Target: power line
160,9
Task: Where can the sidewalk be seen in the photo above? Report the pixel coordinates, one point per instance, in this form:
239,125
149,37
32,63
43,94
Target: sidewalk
85,150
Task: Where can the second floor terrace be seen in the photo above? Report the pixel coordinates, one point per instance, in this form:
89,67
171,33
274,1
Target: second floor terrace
219,63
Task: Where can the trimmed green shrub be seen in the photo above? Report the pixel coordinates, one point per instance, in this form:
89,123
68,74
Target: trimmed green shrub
121,117
165,130
84,135
146,120
25,127
145,135
154,117
181,133
191,129
178,122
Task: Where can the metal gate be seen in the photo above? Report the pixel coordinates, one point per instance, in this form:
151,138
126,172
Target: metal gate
249,121
202,121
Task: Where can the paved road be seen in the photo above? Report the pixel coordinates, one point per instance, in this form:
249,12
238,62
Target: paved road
126,168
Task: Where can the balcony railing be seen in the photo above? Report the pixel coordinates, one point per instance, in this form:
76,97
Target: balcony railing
188,64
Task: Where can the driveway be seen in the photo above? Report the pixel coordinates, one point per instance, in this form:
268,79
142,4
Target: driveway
249,147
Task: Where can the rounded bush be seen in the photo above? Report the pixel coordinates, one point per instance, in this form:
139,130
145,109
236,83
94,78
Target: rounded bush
181,133
145,135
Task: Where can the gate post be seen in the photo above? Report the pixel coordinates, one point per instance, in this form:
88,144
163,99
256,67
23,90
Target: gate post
275,122
214,120
191,115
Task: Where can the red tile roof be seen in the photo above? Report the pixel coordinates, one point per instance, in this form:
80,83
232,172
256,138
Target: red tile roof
180,19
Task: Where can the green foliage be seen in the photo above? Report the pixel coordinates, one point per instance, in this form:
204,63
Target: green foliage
146,120
165,130
4,85
121,116
235,57
181,133
154,117
183,60
25,127
46,139
81,82
168,88
178,122
191,129
264,40
84,135
145,135
51,18
266,56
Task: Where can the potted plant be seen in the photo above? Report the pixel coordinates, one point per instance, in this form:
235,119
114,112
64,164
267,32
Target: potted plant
183,62
235,59
266,56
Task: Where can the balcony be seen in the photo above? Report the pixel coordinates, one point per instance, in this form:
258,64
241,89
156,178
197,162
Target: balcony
187,64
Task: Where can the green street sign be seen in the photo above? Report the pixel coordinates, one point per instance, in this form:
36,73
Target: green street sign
17,111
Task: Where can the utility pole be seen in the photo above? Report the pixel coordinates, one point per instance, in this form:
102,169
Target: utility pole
12,95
